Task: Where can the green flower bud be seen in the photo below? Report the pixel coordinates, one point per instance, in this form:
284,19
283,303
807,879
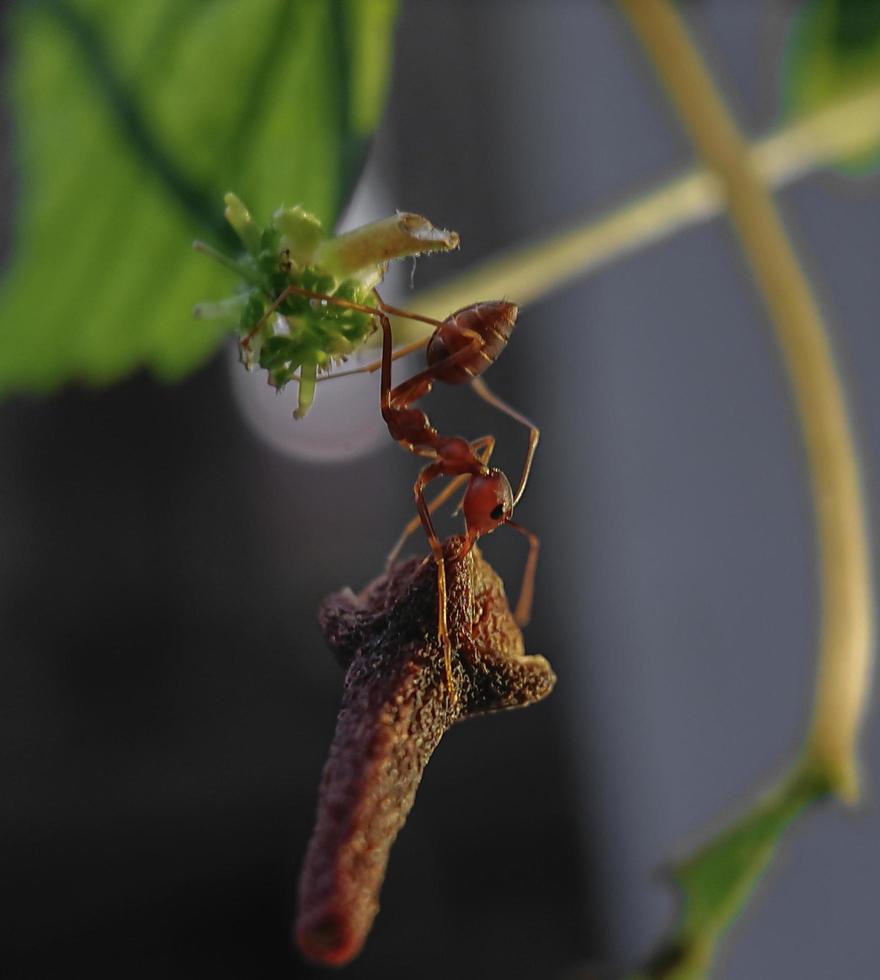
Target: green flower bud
245,227
300,234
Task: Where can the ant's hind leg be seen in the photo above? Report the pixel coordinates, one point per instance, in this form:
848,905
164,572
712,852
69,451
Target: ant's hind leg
411,348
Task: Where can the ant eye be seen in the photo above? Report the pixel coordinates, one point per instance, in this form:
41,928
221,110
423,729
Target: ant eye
497,512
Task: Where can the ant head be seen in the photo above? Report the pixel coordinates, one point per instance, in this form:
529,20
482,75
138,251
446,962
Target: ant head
487,502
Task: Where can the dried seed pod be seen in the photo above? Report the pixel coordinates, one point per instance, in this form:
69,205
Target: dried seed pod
395,709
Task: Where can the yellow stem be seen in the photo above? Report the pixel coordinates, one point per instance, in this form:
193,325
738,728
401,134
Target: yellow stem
525,274
845,574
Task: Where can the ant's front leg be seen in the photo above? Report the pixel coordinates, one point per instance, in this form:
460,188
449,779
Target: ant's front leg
483,447
258,326
431,472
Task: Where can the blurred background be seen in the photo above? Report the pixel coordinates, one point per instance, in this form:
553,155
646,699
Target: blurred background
166,699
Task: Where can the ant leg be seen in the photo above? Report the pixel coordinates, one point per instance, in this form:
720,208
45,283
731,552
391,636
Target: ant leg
486,393
416,345
292,290
523,612
420,384
406,314
362,307
374,366
485,444
412,348
358,307
413,525
279,299
429,473
387,339
334,300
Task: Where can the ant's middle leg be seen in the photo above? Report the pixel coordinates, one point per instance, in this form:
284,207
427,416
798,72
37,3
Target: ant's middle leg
387,338
413,387
292,290
483,448
523,611
407,349
374,366
383,307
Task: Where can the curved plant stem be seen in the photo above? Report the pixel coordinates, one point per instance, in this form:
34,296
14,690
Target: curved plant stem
845,574
525,274
735,176
717,880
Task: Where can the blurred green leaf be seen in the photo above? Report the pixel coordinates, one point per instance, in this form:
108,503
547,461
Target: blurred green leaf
716,881
131,121
833,49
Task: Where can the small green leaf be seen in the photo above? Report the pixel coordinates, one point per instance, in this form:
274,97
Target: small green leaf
131,121
833,50
717,881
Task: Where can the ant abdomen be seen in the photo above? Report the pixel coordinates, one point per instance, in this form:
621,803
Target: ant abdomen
493,321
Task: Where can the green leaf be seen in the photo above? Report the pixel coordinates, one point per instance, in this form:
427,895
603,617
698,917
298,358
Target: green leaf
717,881
132,120
833,50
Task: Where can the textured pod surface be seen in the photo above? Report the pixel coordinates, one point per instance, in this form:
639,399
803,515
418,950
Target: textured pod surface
395,709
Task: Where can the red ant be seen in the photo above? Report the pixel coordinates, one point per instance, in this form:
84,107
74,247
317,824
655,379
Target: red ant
461,348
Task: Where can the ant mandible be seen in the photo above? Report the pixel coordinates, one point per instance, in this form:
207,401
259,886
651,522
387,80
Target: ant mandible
460,349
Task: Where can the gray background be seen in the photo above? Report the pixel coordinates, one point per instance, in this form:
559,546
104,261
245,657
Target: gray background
166,698
678,588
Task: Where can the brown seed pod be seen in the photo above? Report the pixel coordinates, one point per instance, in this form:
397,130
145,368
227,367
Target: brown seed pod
395,709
